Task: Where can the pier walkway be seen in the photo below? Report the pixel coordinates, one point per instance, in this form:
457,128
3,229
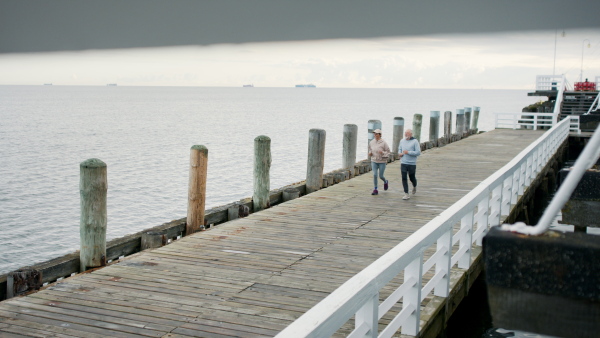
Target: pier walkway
254,276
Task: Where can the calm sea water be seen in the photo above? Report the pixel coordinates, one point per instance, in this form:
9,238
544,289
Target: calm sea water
144,135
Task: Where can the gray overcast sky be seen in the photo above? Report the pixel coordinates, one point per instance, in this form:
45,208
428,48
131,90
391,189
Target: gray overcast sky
489,61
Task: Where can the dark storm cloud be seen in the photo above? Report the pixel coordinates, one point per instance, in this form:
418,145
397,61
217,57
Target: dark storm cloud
35,26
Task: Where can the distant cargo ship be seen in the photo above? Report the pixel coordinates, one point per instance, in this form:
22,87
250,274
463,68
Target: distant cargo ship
112,84
310,85
248,85
47,84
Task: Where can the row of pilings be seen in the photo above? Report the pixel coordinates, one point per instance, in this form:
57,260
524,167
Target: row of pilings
95,252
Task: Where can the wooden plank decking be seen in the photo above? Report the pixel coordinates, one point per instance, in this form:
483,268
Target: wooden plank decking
254,276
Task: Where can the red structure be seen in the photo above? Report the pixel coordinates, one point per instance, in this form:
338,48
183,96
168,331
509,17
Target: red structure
585,86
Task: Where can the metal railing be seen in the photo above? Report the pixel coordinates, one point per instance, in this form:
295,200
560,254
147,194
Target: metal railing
450,236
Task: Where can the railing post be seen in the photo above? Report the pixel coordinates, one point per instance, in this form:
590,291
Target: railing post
541,161
414,270
398,133
93,186
515,185
522,176
262,167
372,125
535,160
316,160
466,241
550,149
483,214
495,206
197,189
528,171
434,126
506,196
349,146
443,264
368,315
544,153
417,122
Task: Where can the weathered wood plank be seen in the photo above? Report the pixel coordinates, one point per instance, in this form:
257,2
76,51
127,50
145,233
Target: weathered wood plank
59,321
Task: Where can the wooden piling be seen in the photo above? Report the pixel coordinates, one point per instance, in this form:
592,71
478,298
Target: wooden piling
349,146
467,119
417,122
447,125
197,189
398,134
316,160
475,118
460,121
434,126
262,166
372,125
93,188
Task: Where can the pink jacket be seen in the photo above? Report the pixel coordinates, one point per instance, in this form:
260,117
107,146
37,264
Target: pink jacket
379,150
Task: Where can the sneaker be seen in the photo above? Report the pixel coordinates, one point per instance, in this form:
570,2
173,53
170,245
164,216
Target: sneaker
375,192
385,185
406,196
414,190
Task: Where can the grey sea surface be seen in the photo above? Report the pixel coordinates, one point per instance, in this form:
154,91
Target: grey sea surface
144,135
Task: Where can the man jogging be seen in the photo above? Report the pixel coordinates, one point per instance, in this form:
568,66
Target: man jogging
408,150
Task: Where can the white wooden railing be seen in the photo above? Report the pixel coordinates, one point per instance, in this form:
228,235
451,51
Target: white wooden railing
587,159
450,235
574,124
550,83
524,120
530,120
533,121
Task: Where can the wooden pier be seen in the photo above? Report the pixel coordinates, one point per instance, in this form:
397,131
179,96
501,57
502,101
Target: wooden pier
255,275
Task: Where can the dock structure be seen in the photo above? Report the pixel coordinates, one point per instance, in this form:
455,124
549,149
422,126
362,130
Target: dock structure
254,276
